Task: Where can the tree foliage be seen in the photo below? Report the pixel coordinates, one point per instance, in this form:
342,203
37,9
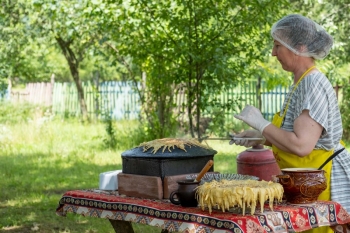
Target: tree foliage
200,47
22,57
196,47
70,26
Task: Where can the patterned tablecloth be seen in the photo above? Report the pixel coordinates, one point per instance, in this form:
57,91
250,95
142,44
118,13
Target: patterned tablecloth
163,214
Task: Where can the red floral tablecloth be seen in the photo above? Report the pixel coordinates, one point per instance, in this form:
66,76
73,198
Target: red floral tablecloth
163,214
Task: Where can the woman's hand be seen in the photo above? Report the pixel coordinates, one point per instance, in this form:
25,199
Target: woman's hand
244,138
253,117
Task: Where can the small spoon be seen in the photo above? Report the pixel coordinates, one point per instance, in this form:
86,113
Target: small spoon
204,170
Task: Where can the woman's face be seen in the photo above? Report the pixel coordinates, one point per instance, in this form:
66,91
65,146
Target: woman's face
284,56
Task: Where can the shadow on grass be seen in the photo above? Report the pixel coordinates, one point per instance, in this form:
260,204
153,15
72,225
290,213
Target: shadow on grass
32,185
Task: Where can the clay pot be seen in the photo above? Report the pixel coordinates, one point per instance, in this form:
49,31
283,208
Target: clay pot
257,161
302,185
186,193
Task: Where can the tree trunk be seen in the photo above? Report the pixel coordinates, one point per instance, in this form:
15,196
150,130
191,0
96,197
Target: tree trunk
189,109
258,93
73,67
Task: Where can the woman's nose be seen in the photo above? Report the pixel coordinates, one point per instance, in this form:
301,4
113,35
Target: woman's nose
273,52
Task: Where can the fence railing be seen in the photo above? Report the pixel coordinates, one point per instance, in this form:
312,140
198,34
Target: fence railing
256,93
120,101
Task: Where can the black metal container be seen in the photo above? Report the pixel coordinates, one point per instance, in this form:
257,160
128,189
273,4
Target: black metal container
166,163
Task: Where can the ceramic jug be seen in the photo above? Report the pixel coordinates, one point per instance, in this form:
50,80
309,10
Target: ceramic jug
185,194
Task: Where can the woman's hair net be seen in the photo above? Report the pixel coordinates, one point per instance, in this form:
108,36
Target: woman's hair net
302,36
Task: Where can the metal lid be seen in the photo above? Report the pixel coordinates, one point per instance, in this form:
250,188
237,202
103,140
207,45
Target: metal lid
300,169
191,151
256,156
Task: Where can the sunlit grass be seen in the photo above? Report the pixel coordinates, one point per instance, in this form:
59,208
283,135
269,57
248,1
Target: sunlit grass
39,161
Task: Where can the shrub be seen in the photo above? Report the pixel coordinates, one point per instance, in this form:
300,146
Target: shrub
11,113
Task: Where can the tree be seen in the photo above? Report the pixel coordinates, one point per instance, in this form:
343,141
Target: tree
14,45
200,47
74,28
22,57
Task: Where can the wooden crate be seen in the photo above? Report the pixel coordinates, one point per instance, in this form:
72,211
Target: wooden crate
151,187
140,186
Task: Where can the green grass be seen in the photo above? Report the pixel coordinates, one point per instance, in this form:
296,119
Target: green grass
39,161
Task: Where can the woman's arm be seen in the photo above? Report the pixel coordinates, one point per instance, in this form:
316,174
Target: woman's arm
299,142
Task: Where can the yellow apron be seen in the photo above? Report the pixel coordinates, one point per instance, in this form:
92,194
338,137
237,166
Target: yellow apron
315,159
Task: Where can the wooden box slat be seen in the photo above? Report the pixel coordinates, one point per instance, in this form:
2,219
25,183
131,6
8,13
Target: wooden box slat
140,186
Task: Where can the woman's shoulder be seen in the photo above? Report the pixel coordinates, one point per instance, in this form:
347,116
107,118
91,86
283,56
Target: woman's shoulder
316,80
314,87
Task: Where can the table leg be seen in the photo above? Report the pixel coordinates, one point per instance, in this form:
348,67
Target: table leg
125,226
121,226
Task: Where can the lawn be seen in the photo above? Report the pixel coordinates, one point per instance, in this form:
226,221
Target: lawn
40,160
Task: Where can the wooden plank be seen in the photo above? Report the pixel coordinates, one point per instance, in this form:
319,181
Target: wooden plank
140,186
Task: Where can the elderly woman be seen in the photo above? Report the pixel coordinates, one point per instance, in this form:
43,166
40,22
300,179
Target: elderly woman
308,129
